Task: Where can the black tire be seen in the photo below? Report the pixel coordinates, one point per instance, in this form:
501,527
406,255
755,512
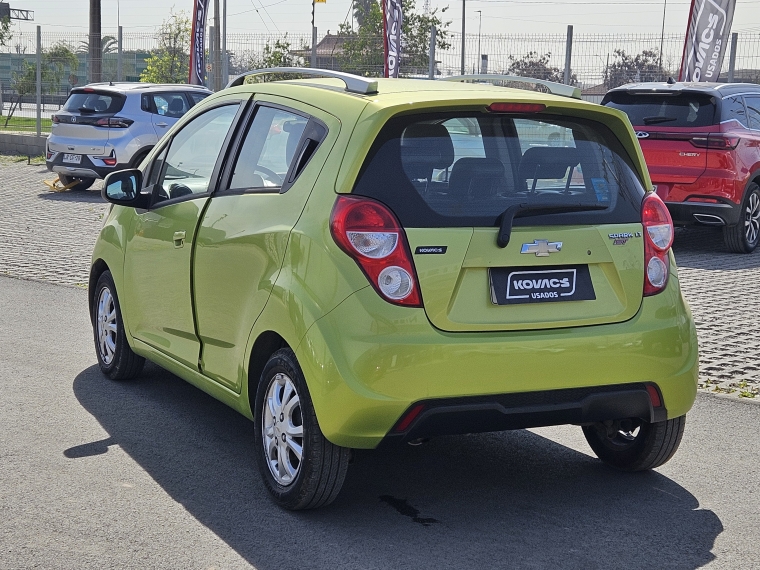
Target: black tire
744,236
118,363
619,445
321,470
83,184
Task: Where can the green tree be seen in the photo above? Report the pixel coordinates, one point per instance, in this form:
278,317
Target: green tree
362,50
54,62
537,66
5,30
278,54
170,63
645,66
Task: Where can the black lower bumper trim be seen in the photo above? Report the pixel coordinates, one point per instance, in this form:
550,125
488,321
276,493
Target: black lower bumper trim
502,412
690,213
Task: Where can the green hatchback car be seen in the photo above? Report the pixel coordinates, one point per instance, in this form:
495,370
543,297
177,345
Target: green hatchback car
354,263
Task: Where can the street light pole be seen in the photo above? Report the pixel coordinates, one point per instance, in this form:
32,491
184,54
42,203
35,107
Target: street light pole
480,53
662,34
463,19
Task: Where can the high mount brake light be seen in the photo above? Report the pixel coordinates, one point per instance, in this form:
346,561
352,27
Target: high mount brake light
716,141
658,238
372,236
516,108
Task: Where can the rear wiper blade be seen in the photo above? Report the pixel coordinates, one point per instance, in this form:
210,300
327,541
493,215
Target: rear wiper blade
520,210
658,119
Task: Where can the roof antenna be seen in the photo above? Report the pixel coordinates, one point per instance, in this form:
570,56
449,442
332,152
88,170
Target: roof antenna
671,81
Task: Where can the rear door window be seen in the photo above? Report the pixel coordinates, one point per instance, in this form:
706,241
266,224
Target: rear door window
171,105
683,110
89,102
753,111
466,170
196,98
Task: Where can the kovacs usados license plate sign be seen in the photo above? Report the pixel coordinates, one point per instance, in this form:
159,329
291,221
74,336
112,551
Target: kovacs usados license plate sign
517,285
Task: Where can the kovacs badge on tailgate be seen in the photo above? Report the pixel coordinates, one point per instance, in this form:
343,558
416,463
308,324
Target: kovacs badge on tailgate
516,285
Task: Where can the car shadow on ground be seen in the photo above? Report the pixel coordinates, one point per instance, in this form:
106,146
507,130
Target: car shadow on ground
91,196
513,500
704,248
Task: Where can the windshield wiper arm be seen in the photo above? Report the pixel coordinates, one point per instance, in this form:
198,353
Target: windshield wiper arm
520,210
658,119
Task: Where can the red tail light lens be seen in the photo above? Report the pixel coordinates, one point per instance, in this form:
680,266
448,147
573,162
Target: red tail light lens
372,236
516,108
114,122
658,237
716,141
55,119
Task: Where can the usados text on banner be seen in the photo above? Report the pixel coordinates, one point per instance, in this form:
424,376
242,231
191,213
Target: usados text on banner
197,43
392,20
706,39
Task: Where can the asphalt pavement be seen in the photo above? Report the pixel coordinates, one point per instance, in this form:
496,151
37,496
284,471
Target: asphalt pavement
154,473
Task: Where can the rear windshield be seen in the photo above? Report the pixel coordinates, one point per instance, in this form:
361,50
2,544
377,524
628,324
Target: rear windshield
448,170
94,102
684,110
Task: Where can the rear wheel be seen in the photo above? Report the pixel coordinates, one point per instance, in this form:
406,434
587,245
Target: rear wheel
300,468
633,444
744,236
81,183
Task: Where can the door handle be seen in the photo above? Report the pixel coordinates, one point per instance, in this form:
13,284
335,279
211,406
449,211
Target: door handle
179,239
162,124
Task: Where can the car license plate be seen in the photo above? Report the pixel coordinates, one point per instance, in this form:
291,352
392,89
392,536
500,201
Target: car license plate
72,158
518,285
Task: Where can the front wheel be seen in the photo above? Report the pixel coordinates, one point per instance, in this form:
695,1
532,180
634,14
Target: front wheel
300,468
81,183
633,444
744,236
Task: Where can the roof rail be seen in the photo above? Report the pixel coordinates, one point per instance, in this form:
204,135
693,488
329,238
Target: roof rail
554,88
354,83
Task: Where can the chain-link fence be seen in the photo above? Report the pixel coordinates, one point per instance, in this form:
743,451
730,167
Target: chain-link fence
598,61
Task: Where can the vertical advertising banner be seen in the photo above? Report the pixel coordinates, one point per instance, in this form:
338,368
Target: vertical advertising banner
708,34
392,19
197,43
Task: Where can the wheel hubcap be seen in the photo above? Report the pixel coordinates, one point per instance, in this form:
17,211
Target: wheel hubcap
752,219
106,325
282,431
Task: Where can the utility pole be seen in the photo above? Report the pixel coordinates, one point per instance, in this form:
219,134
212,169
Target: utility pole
313,37
662,33
463,19
217,50
480,53
95,49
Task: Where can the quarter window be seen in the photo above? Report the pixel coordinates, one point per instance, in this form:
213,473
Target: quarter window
753,112
268,150
192,154
733,109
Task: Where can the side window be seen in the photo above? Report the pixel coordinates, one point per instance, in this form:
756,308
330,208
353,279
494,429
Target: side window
192,154
733,109
268,150
196,98
172,105
753,111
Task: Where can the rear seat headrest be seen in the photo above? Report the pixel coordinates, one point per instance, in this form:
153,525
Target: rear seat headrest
424,147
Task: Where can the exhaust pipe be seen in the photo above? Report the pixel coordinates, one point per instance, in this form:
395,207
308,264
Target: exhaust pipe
709,220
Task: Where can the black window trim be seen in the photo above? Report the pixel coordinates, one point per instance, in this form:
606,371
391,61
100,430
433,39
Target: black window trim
291,176
244,106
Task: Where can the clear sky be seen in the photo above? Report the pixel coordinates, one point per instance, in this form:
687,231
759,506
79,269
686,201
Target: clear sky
294,16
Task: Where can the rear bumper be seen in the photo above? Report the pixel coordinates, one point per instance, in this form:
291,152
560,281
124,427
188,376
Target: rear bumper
704,213
87,168
368,362
524,410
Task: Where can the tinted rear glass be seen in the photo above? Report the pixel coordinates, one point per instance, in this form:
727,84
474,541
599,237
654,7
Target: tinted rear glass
94,102
466,169
685,110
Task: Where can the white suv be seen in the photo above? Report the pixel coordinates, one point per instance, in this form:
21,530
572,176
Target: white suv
105,127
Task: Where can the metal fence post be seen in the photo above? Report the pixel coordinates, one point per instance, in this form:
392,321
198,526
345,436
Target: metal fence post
568,54
313,46
39,81
119,54
431,54
211,75
732,57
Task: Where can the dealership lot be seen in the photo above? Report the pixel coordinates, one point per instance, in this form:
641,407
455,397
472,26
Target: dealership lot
49,237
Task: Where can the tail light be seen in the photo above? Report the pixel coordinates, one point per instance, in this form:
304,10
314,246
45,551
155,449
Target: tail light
658,237
109,160
114,122
716,141
372,236
55,119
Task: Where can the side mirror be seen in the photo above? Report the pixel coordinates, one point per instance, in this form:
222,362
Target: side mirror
123,188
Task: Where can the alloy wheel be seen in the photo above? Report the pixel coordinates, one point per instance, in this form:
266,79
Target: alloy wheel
752,219
106,324
282,423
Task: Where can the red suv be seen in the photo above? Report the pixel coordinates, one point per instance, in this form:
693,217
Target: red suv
701,142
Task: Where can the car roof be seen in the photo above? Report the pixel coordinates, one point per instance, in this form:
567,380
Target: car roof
128,86
708,88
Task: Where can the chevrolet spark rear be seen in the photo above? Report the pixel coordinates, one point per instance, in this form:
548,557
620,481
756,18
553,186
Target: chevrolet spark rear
518,274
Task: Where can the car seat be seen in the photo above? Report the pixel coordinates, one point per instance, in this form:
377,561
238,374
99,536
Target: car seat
550,163
425,147
477,178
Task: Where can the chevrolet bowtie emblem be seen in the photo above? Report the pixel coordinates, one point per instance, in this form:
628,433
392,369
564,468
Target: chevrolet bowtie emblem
541,247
